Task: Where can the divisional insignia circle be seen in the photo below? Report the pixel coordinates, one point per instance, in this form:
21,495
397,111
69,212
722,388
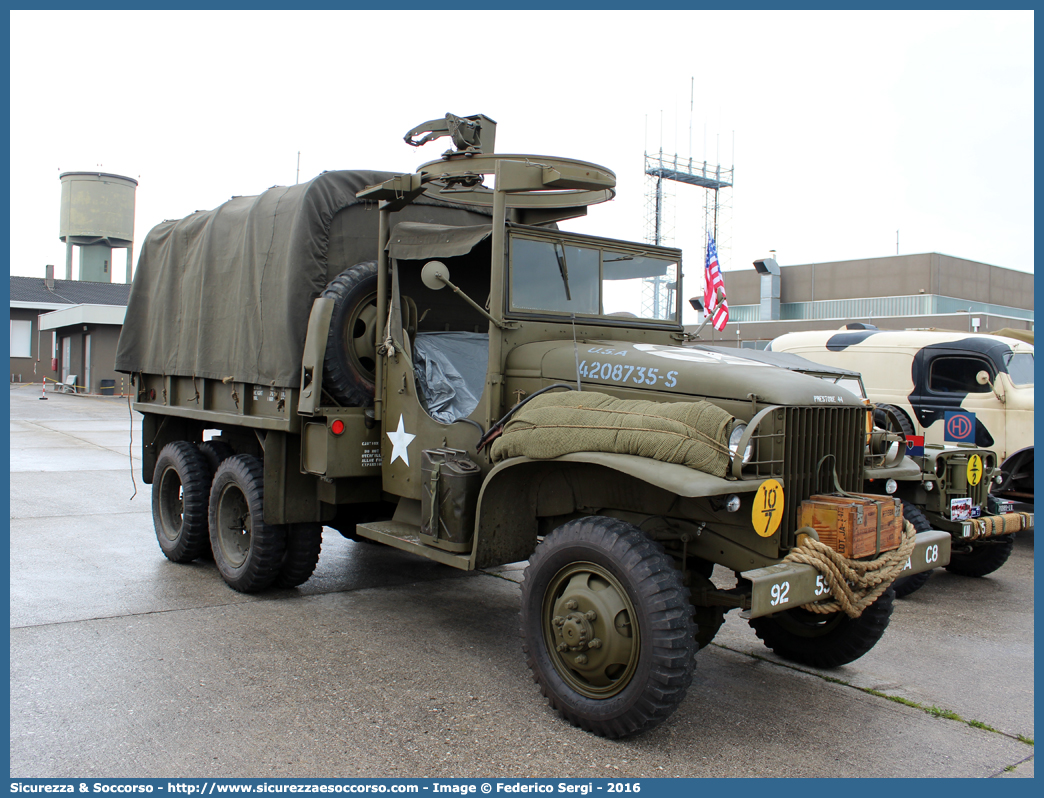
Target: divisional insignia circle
974,470
767,513
959,426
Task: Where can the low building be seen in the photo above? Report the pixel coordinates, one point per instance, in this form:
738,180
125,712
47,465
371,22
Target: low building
63,328
929,290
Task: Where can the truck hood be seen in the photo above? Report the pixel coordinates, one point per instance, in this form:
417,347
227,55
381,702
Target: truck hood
673,370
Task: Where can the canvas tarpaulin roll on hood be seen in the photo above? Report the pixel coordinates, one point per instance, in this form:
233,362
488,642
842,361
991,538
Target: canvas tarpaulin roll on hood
694,434
226,293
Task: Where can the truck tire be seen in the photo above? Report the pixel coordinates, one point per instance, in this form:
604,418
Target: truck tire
247,551
303,543
882,420
180,492
601,578
905,585
350,365
216,453
825,641
984,558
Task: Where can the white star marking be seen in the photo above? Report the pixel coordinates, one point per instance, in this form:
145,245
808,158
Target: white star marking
400,440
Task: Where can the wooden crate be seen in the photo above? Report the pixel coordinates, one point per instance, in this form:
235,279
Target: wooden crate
848,524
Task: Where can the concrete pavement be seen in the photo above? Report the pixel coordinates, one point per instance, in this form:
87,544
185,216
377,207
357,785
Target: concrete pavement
385,664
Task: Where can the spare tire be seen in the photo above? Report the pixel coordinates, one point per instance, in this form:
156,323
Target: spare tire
882,420
350,366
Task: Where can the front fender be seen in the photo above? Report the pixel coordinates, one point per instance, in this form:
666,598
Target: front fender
506,516
677,479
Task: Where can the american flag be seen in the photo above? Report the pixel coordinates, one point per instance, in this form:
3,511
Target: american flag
713,284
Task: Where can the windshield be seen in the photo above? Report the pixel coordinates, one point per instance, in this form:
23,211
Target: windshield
591,280
1020,367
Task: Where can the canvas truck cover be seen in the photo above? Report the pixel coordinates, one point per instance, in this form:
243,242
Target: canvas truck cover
226,293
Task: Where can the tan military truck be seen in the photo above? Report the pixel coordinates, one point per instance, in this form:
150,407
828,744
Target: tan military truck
951,387
425,360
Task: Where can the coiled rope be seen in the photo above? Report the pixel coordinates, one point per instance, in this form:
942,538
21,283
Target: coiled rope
854,584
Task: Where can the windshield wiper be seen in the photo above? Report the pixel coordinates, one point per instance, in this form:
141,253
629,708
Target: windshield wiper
563,268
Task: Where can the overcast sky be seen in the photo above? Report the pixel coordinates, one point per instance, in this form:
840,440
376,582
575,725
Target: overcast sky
844,127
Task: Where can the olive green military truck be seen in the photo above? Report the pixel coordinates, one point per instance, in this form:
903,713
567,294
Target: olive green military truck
426,360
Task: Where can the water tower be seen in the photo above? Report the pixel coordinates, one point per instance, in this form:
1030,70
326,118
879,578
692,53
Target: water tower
97,216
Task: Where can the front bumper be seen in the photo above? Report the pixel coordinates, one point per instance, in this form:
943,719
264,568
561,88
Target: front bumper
992,525
785,585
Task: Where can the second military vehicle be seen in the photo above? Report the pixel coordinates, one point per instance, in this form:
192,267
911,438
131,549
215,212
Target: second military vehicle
951,387
945,487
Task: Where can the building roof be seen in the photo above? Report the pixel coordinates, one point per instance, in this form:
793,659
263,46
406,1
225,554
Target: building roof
33,292
74,315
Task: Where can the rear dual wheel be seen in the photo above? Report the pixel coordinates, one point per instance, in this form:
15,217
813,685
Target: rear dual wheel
248,552
303,543
180,491
607,627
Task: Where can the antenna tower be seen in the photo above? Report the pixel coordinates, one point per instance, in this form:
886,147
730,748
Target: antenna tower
716,182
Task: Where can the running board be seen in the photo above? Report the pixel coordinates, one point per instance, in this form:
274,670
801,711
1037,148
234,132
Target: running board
407,538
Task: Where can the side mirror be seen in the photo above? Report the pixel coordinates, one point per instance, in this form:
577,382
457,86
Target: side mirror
697,304
983,378
435,275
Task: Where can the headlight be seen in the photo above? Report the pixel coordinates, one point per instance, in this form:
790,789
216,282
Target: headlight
891,486
734,441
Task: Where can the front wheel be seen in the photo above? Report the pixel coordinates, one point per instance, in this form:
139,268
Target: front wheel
607,627
825,641
984,558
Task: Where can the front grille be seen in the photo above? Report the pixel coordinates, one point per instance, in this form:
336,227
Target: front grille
820,441
955,479
802,447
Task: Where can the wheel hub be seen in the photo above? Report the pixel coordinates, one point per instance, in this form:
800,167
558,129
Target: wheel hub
234,526
360,337
172,506
590,633
576,632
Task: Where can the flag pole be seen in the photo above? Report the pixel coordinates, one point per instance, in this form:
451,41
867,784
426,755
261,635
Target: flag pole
708,315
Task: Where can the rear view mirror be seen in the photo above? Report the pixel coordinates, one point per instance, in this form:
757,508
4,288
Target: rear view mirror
435,275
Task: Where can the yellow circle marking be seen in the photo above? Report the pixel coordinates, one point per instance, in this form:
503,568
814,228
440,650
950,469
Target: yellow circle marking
767,514
974,470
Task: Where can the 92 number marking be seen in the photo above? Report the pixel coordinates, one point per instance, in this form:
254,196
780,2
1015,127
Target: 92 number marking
779,594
